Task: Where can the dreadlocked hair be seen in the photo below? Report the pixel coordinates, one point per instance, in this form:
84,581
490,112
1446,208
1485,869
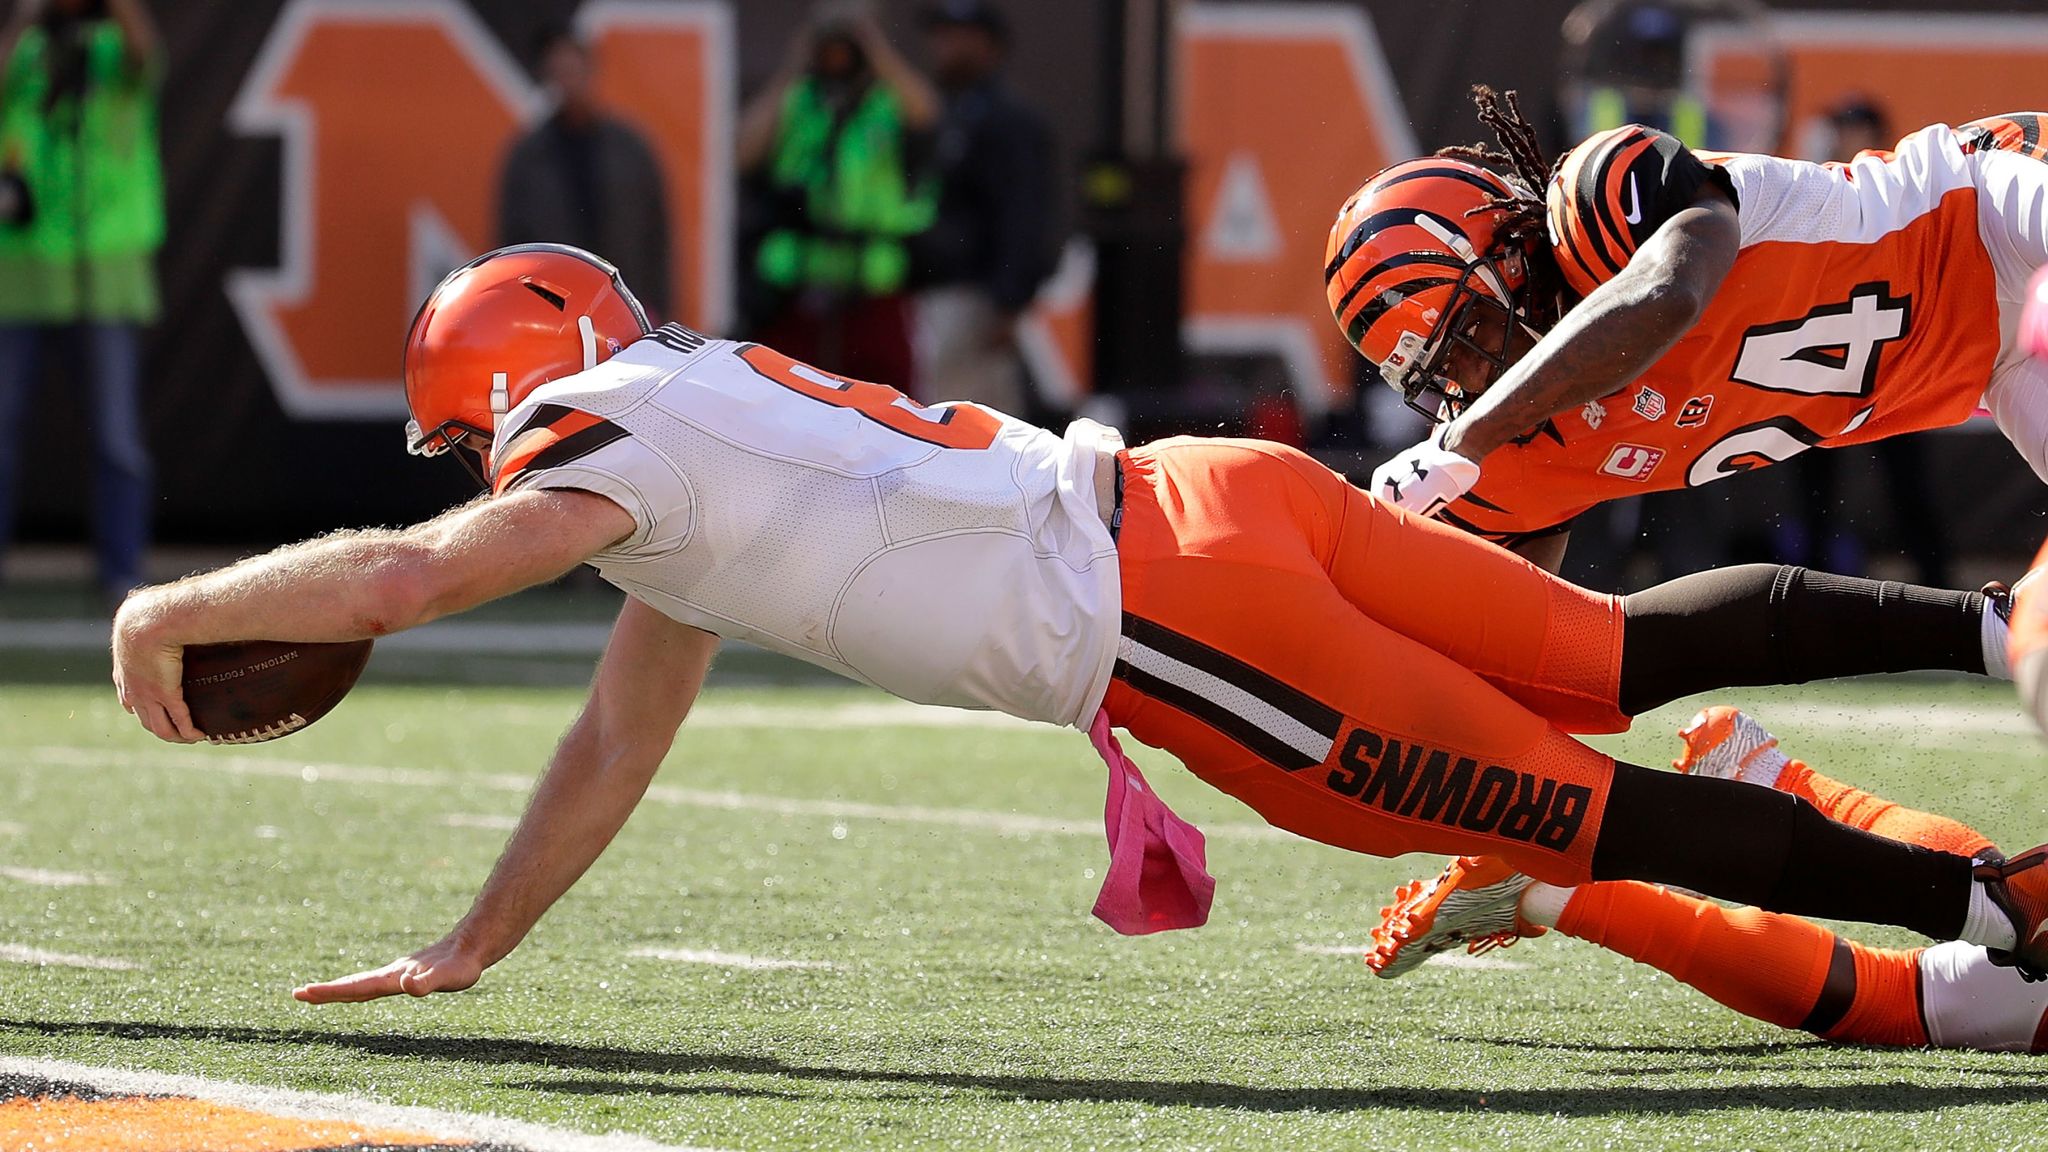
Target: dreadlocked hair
1520,157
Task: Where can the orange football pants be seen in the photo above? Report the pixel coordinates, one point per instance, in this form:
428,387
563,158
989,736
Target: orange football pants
1355,674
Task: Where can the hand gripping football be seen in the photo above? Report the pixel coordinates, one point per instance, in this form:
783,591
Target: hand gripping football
250,691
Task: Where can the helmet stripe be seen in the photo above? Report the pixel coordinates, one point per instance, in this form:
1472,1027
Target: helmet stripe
1460,174
1371,227
1377,307
1399,260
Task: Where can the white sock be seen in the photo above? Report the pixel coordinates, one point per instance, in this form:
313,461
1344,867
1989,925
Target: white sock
1986,923
1991,633
1543,904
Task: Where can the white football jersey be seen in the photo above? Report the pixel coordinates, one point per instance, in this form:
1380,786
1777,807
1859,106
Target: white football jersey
950,555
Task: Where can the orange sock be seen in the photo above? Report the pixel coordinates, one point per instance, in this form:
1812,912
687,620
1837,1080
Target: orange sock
1846,804
1885,1007
1763,965
1778,969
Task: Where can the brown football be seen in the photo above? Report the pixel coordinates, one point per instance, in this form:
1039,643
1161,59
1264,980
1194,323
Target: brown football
256,690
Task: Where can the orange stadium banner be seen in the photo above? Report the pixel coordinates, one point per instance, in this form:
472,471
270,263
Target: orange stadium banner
382,199
1269,164
1920,68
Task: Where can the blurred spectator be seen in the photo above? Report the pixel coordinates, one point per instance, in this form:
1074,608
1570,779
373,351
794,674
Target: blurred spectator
1824,537
586,178
990,247
832,151
81,218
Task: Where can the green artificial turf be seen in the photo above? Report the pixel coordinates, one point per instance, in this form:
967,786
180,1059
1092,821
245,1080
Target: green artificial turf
970,1003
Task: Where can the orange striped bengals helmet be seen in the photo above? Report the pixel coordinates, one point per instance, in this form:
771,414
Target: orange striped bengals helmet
1411,254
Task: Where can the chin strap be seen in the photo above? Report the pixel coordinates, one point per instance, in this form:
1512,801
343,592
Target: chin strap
589,333
501,400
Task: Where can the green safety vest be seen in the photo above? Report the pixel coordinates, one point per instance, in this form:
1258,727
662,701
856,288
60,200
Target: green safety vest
1608,108
859,202
95,177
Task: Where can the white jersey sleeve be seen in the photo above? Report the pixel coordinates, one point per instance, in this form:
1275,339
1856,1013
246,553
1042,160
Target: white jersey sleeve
556,446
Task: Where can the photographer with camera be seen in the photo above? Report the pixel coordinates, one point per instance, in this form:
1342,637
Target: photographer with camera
834,151
81,218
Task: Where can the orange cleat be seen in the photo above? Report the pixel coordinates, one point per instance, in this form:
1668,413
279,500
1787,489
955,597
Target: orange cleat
1474,902
1729,745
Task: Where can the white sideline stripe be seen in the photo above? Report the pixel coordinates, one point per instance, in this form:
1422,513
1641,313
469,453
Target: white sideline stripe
725,959
334,1106
1002,822
1452,959
1275,723
43,958
472,820
48,877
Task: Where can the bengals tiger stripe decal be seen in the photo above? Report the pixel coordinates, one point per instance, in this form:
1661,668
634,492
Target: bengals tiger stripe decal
1591,201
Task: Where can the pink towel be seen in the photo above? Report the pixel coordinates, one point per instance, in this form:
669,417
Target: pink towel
1158,876
2034,318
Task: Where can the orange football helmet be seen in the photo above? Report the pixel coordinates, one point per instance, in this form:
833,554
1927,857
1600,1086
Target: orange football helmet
1413,251
502,325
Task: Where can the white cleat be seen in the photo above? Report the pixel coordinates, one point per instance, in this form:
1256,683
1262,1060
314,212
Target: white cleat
1728,745
1474,902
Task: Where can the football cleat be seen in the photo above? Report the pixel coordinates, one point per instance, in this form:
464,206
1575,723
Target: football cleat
1727,744
2019,887
1473,902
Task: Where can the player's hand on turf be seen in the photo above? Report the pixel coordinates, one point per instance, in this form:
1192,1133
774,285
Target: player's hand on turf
1424,478
444,967
149,674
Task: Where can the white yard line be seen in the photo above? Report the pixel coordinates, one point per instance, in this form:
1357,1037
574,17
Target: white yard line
42,958
725,959
1006,823
49,877
443,1125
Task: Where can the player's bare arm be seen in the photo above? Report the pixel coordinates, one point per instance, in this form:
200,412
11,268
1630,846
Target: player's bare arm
1612,336
651,673
353,586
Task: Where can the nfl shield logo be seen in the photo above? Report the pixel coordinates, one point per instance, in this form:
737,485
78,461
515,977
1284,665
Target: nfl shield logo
1650,403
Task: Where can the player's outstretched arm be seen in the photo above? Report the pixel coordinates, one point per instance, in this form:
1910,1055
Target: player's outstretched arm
651,674
1614,334
353,586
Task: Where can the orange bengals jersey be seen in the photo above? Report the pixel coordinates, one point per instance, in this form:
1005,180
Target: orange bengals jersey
1861,305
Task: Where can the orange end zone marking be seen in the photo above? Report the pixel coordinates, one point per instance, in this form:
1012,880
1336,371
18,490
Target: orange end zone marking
176,1124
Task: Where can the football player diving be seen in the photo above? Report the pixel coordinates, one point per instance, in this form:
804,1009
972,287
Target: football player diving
1229,601
1649,316
1720,313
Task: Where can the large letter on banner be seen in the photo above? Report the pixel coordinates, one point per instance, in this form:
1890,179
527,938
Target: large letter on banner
394,115
1285,110
667,68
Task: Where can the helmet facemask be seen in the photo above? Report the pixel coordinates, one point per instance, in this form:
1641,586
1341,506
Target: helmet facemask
1482,292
